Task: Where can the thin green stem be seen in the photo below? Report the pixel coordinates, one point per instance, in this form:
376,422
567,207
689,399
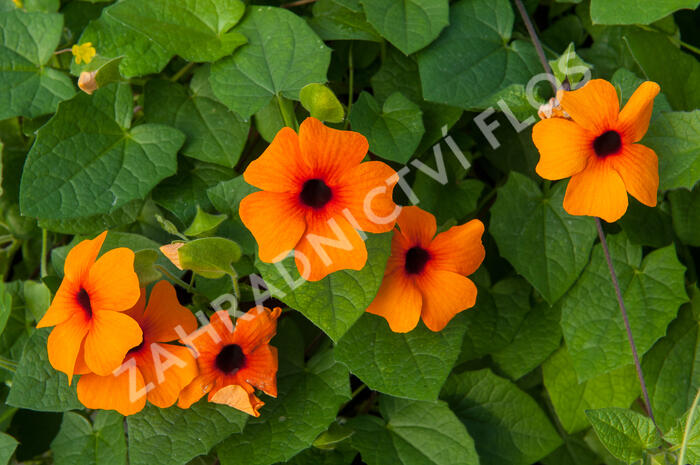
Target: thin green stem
234,281
289,119
351,85
178,281
184,70
7,364
692,48
623,311
44,251
354,394
688,427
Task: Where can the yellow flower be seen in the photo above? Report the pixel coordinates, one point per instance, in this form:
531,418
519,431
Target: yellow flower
84,52
18,3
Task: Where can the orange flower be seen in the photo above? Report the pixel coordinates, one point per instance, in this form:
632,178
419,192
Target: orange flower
233,362
91,333
315,194
425,274
151,370
598,148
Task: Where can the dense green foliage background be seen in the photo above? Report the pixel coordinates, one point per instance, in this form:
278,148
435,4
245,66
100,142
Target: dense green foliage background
539,371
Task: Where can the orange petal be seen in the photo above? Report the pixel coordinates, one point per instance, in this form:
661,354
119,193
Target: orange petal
237,397
276,220
169,368
329,245
113,392
112,335
399,247
398,301
112,283
63,306
164,313
634,117
597,191
366,191
171,253
595,106
81,367
281,167
638,166
417,225
193,392
136,312
256,328
564,148
64,343
459,249
329,152
445,294
261,369
81,257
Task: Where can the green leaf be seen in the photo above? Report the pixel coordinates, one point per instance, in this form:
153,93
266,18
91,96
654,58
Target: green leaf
499,311
8,444
393,129
413,433
570,399
652,289
283,54
672,367
507,425
647,225
195,30
676,139
141,55
633,12
80,443
204,223
662,61
214,134
626,82
569,66
37,298
625,433
685,211
5,306
87,161
337,301
335,434
454,74
558,244
321,103
27,42
676,435
227,195
144,266
308,401
210,256
36,385
408,24
574,452
160,436
341,20
413,365
91,225
538,336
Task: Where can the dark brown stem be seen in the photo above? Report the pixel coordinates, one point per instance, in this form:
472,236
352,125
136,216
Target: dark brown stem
535,40
623,310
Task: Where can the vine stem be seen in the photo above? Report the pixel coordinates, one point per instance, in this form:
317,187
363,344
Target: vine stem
601,234
289,119
297,3
623,310
182,71
688,427
44,252
351,85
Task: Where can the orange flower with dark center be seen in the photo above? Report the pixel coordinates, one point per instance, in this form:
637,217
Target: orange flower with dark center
598,149
426,274
234,361
159,371
92,334
315,194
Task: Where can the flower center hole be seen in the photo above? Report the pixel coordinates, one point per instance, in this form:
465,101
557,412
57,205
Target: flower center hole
84,302
607,143
416,259
315,193
230,359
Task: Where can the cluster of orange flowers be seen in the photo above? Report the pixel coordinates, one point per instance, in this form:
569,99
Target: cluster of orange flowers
128,351
317,200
